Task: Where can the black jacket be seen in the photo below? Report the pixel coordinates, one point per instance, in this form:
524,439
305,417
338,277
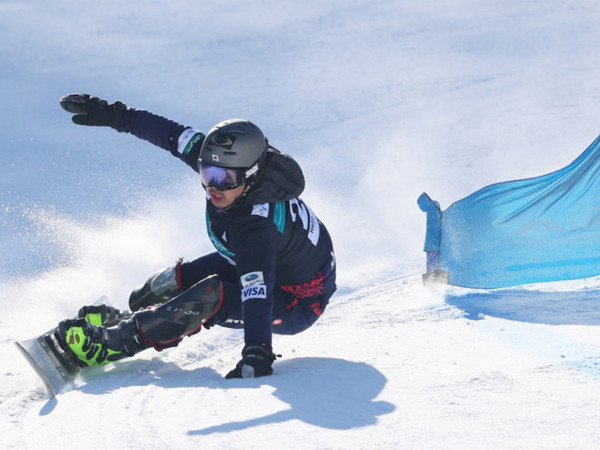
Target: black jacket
272,237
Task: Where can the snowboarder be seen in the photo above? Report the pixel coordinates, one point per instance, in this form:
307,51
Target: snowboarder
274,268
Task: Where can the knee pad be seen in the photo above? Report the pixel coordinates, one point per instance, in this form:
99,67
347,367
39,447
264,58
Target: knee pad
165,325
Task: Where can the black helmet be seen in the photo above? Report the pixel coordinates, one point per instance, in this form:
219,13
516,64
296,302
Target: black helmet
232,153
233,144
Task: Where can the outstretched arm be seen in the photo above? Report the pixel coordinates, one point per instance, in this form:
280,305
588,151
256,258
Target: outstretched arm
181,141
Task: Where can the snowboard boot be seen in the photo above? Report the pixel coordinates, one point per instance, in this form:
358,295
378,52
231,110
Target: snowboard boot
94,345
160,287
160,327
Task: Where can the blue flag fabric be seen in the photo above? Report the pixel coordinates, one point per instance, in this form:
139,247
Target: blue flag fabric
520,232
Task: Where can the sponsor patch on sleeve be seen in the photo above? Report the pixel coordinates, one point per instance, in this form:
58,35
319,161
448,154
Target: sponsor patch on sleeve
187,139
256,291
252,278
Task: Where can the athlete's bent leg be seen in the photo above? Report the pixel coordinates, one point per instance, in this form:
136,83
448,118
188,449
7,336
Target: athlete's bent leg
159,327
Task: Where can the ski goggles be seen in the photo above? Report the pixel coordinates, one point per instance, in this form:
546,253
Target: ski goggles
221,178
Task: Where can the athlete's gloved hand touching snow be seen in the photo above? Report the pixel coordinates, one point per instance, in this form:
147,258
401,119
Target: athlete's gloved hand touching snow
256,362
93,111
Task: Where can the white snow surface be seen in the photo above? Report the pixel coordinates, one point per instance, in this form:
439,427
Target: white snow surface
379,101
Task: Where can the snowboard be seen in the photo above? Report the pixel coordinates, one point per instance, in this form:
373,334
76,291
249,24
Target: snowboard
55,368
165,324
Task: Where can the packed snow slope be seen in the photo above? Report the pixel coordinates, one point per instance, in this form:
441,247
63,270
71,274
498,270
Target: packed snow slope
378,101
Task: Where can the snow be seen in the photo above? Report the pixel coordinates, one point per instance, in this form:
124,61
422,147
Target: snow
379,101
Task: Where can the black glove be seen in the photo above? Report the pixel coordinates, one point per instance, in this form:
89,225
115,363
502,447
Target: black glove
256,362
90,110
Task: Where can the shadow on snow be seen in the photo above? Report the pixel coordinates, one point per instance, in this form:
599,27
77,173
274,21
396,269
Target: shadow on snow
326,392
533,306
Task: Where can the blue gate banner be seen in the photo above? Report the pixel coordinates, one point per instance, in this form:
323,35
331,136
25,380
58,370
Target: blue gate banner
519,232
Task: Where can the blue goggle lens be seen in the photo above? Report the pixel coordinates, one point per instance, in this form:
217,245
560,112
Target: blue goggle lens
220,178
